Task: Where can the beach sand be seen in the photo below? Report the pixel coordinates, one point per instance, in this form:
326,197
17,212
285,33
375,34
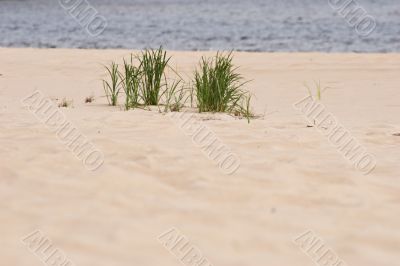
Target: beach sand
291,179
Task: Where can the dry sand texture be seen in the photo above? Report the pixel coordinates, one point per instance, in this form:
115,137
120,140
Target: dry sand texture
290,180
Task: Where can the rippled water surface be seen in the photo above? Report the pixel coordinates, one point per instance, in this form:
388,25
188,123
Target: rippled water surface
252,25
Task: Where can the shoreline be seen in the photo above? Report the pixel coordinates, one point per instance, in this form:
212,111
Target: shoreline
202,51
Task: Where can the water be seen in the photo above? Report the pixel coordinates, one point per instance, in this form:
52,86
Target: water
252,25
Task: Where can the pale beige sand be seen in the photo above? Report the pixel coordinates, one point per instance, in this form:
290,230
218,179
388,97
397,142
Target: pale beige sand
290,180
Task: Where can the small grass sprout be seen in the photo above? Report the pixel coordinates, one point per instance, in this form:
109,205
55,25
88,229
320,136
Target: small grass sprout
176,98
243,109
175,93
318,94
170,95
318,90
112,88
179,101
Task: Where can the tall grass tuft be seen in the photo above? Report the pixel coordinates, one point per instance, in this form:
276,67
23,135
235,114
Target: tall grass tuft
130,79
153,64
112,88
217,85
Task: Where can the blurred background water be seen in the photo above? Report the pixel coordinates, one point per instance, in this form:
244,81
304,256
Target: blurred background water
249,25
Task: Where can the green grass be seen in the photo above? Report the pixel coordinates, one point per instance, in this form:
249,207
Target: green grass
130,79
175,96
318,90
218,86
244,109
112,88
145,83
153,64
318,93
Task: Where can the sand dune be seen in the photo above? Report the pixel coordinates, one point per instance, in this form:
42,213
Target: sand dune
291,179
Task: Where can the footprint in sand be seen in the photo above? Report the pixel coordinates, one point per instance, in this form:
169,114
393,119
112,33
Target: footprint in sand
396,134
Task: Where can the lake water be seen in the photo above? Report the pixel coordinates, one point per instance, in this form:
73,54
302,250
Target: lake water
252,25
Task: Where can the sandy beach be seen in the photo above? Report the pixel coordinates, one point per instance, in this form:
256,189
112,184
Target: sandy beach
290,180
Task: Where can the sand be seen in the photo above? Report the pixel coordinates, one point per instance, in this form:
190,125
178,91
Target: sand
291,179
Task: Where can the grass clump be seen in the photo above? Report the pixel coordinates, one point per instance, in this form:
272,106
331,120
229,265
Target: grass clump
112,88
130,79
153,64
144,81
218,87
